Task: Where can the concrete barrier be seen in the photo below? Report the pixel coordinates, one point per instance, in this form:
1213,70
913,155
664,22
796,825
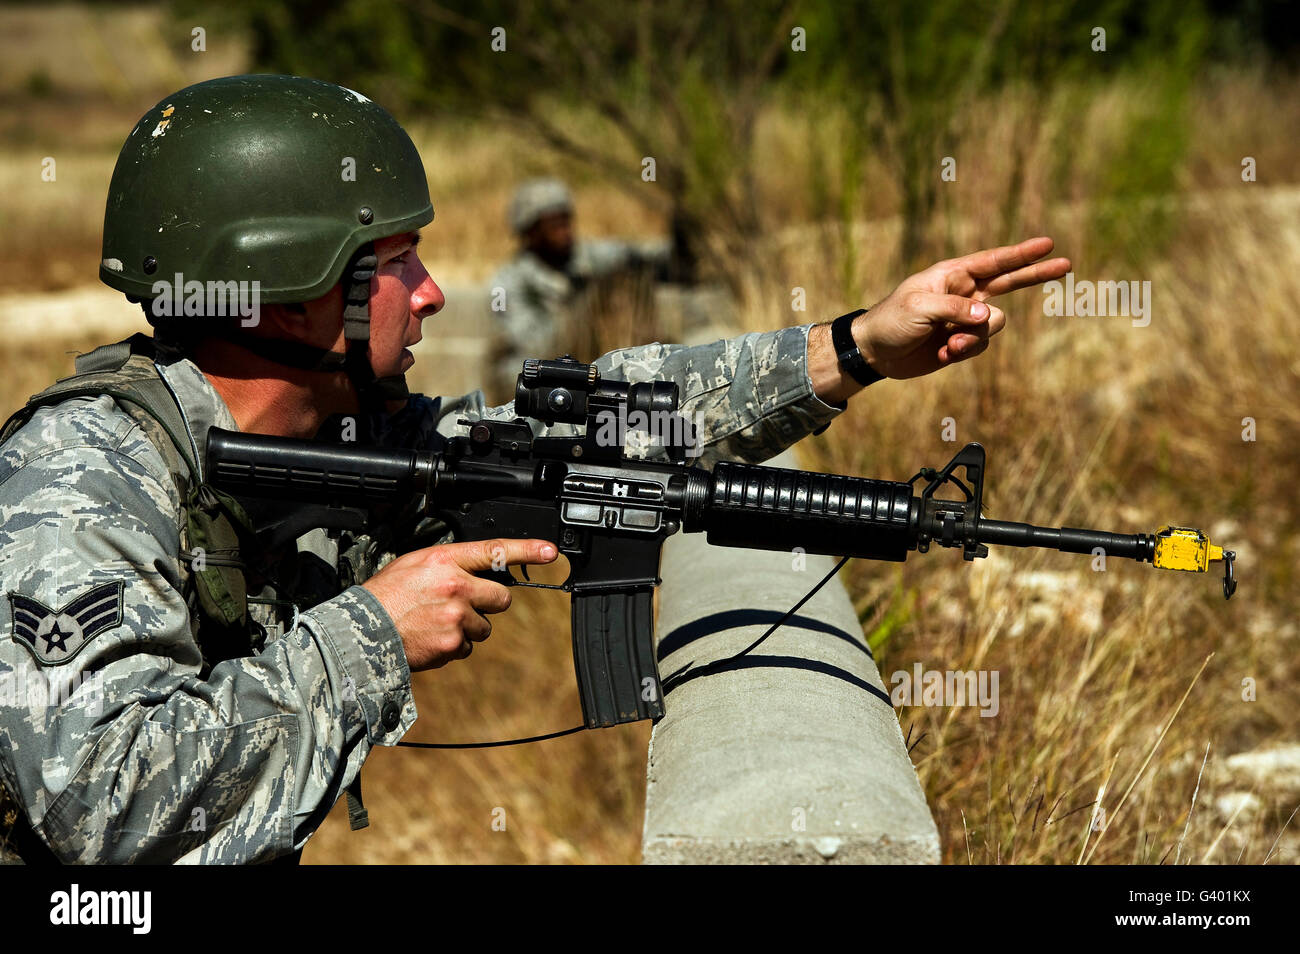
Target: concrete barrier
792,754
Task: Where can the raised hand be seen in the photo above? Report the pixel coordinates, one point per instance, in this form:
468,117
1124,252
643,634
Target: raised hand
939,316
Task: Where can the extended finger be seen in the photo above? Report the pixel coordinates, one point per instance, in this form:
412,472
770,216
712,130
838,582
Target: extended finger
479,555
989,262
1034,274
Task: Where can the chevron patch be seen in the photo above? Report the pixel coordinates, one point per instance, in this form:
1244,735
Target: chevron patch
54,636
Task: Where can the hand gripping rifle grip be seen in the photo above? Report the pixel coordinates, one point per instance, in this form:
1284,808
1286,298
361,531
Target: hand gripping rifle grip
613,656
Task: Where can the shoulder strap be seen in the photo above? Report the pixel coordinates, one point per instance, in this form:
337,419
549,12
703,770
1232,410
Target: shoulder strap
209,521
110,357
124,371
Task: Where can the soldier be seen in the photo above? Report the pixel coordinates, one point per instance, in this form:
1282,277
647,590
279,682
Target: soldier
205,700
535,296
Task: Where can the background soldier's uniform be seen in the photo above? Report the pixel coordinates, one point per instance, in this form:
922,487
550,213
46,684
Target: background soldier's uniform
531,302
239,759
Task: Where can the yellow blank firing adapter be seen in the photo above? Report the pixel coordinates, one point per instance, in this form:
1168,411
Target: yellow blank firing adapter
1185,548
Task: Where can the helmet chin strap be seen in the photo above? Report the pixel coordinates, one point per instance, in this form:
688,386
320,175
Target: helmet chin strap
372,391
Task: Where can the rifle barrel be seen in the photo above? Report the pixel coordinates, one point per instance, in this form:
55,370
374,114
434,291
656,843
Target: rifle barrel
1132,546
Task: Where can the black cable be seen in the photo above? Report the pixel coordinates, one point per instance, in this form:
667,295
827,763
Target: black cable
793,609
673,677
491,745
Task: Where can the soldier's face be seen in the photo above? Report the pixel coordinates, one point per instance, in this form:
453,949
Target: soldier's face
401,296
552,237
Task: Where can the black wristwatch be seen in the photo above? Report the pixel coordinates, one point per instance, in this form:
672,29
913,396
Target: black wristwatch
846,349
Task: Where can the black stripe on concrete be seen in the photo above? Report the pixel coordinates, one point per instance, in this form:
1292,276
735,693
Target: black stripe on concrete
734,619
773,662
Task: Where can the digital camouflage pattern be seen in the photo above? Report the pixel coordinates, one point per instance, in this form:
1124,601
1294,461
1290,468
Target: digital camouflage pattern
147,757
146,760
530,302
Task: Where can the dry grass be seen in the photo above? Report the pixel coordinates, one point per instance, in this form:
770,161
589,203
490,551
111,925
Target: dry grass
1112,683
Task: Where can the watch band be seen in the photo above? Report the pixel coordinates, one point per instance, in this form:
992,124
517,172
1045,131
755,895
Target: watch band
846,349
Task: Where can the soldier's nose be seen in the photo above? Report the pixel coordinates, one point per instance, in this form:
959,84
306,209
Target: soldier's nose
427,299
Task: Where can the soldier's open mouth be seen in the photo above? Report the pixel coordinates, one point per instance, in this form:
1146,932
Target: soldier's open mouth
408,359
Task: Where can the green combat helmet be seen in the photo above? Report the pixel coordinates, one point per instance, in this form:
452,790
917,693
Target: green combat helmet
277,180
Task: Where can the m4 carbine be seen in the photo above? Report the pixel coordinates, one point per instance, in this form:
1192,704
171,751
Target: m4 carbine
609,513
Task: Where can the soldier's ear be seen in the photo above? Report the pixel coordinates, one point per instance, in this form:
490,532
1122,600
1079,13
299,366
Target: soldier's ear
285,320
319,322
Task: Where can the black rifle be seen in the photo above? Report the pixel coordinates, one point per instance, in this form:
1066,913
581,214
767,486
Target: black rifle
609,513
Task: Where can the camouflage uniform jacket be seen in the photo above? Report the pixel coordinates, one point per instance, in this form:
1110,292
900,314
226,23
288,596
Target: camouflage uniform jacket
150,756
529,300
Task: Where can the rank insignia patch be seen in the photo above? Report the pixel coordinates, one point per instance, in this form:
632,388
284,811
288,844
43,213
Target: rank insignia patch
54,636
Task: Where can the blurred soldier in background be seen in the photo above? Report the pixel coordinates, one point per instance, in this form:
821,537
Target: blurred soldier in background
543,292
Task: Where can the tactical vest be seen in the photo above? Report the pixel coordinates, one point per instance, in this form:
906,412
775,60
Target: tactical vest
216,539
212,525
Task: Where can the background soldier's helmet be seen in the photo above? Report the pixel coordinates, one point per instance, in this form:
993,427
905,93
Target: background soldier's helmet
274,179
535,199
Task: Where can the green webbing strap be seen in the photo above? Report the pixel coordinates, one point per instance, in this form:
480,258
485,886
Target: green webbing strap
358,817
109,370
111,357
169,422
